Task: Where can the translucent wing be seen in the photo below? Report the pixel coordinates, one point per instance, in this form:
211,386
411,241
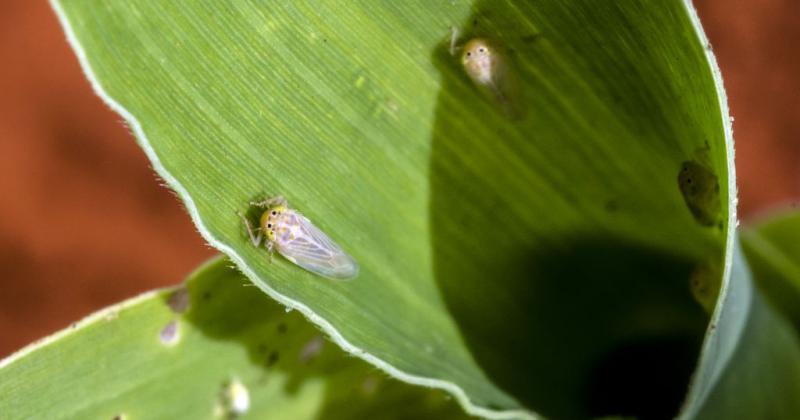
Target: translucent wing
310,248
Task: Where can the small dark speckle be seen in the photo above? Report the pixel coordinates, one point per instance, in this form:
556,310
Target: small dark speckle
206,295
612,206
475,22
73,325
324,39
273,358
282,328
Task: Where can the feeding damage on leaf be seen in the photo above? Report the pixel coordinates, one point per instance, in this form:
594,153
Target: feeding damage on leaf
169,334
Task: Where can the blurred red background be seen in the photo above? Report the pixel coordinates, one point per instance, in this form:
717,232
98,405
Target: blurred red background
86,223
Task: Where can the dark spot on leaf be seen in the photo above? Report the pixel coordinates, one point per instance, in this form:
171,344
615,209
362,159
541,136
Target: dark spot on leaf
528,39
700,189
282,328
179,300
273,358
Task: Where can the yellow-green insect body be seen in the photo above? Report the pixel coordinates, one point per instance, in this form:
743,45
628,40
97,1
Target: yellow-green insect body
297,239
486,64
483,63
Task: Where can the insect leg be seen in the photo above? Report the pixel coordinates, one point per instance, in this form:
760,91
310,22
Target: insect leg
453,40
256,239
270,250
279,200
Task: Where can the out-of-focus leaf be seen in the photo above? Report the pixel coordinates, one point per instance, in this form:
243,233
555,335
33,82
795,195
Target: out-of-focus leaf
772,247
198,352
750,365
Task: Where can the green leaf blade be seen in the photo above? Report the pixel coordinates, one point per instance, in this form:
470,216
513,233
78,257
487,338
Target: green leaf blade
116,362
773,252
750,366
371,130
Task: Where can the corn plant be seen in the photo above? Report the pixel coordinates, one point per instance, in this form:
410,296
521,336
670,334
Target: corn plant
547,232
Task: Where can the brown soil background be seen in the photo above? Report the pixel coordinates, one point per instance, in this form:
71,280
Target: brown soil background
85,222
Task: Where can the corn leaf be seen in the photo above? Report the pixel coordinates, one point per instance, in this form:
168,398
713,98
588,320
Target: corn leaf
212,348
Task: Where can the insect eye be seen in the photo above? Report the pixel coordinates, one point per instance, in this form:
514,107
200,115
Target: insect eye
469,54
481,50
269,225
274,212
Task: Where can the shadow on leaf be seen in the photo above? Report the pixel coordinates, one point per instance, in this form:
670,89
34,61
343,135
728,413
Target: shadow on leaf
570,317
224,306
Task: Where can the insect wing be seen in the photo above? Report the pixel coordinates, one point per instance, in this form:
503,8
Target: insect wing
316,252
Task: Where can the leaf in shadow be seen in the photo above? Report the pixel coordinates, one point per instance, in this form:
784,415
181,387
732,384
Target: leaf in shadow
562,243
